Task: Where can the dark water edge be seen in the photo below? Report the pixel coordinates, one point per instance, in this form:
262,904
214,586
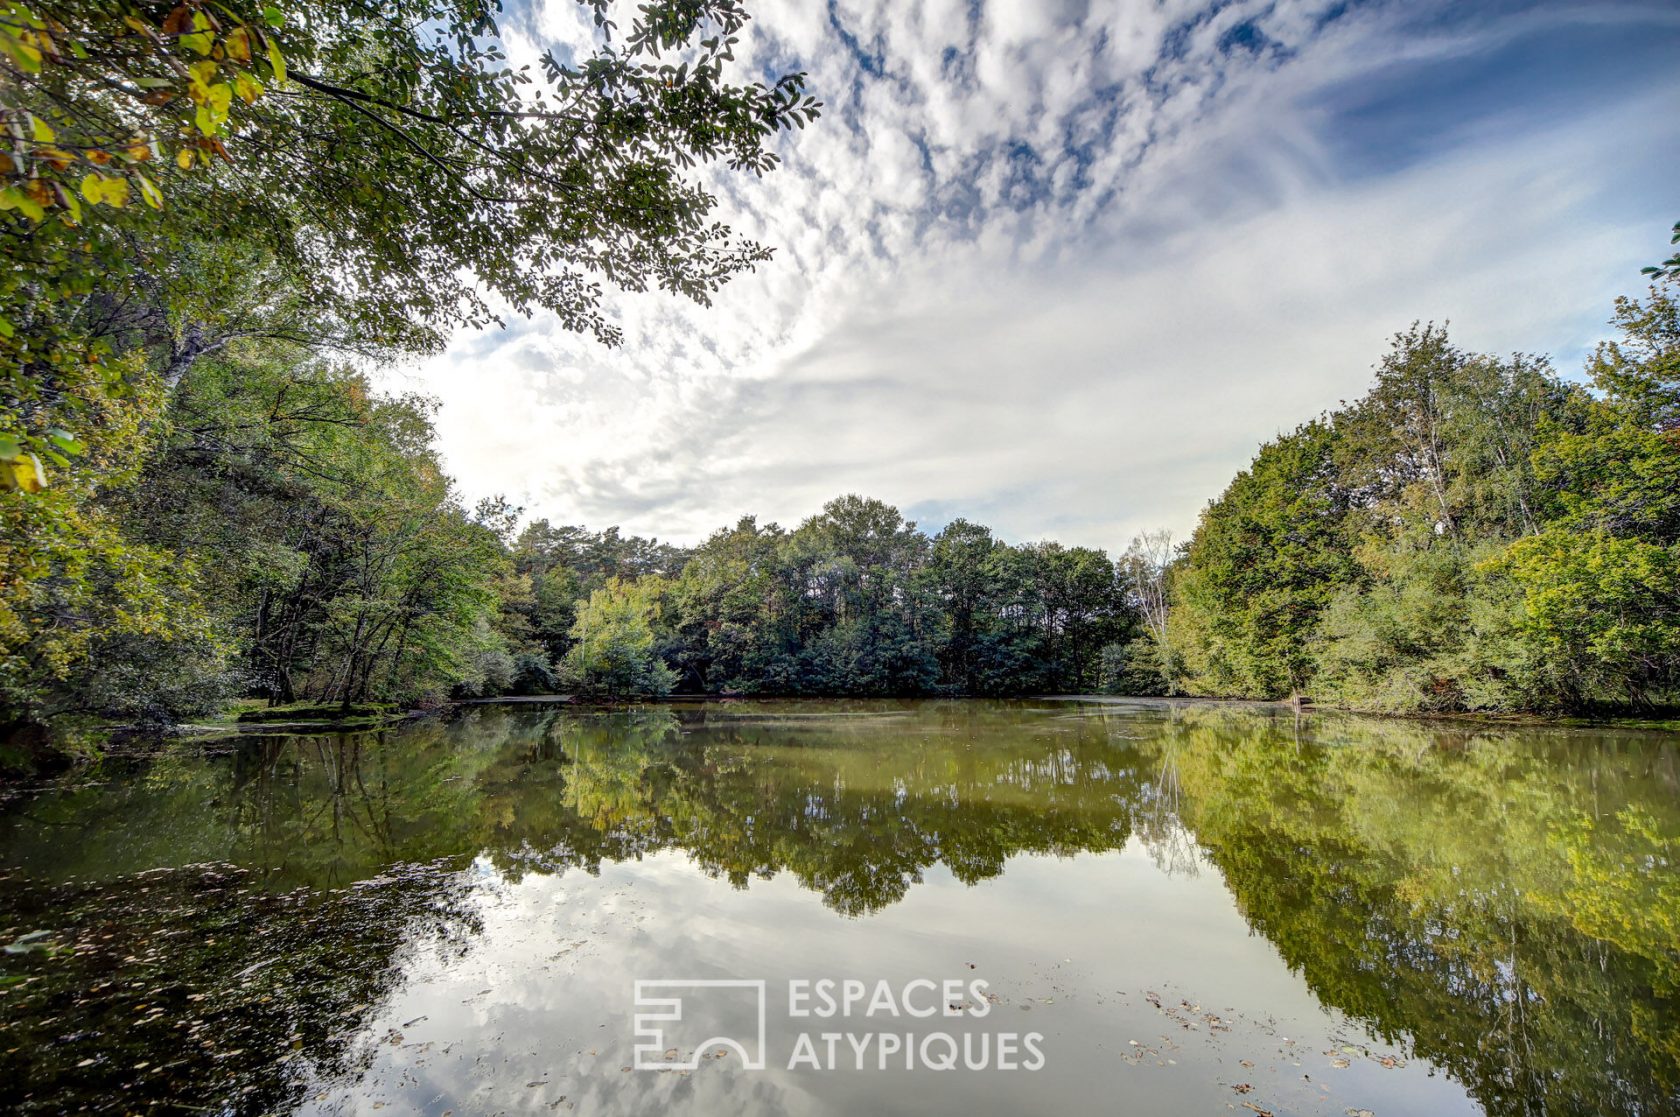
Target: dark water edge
1492,908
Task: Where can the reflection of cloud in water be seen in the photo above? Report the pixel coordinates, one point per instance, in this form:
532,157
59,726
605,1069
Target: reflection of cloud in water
540,1004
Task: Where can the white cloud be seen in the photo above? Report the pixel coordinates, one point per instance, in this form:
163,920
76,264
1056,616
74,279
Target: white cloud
1059,268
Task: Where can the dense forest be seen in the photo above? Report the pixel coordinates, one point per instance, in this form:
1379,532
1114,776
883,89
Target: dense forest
220,218
1476,533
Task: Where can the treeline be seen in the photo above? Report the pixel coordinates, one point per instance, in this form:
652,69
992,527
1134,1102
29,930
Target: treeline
291,536
1475,534
854,601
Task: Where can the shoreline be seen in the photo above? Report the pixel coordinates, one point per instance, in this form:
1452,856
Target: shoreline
45,759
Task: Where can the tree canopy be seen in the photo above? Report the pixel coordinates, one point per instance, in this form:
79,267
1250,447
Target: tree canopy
369,176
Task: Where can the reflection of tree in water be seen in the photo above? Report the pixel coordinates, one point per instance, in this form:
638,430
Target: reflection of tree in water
186,989
855,814
1160,823
1506,909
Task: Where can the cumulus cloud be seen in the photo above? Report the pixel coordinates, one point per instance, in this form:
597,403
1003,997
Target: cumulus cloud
1060,266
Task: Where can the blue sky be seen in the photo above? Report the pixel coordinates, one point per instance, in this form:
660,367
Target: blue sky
1060,266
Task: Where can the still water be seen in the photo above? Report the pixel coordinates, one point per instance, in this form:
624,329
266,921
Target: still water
1140,908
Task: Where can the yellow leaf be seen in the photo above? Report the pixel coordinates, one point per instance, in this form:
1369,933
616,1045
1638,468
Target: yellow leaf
111,191
184,158
238,44
247,87
43,133
219,100
57,156
24,472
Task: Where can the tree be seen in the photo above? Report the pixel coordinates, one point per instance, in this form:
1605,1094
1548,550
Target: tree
1601,585
731,612
963,575
1146,568
614,650
1264,561
327,557
1437,459
71,576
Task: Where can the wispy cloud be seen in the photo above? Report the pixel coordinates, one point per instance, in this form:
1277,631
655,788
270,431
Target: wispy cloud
1059,266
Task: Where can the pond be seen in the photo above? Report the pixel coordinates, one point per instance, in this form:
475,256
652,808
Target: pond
956,907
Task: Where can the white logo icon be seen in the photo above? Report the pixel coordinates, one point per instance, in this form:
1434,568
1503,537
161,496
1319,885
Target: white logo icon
712,1010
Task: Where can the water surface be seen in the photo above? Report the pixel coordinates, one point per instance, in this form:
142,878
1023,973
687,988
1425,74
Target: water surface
1195,908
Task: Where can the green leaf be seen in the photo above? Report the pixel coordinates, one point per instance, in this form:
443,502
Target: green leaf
10,447
13,197
65,440
149,193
